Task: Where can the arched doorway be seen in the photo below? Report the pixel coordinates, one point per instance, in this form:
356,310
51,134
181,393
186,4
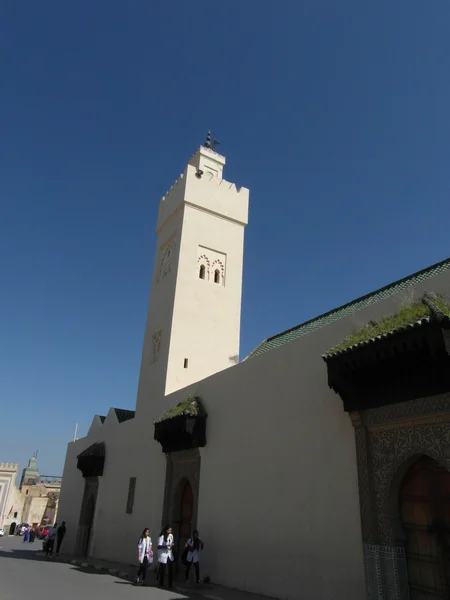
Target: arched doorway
425,514
12,528
186,513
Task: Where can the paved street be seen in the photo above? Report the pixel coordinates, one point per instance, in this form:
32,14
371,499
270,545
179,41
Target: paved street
25,573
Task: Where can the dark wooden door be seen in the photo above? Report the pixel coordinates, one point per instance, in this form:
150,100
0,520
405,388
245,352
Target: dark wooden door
87,514
89,524
425,513
186,512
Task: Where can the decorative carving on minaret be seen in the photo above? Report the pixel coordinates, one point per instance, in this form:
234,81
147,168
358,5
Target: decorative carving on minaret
211,265
203,265
156,343
218,272
165,266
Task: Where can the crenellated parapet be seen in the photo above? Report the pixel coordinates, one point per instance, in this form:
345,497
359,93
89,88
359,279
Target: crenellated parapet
11,467
202,186
172,187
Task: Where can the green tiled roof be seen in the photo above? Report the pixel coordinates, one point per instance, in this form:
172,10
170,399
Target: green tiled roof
124,415
347,309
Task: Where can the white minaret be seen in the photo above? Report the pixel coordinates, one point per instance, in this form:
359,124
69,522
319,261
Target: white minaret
193,321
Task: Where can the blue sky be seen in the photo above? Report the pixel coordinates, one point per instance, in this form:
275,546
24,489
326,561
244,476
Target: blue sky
334,114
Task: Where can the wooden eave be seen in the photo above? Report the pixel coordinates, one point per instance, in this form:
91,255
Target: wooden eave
182,432
412,362
91,461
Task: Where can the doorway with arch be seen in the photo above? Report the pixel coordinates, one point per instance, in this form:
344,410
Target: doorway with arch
424,506
181,495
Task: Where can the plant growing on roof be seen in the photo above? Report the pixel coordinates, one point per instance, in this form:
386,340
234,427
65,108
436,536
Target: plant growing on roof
191,407
407,314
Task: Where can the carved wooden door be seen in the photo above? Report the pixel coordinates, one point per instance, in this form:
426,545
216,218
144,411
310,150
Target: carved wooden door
425,513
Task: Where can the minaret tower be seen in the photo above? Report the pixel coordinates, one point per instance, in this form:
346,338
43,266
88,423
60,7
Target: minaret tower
193,321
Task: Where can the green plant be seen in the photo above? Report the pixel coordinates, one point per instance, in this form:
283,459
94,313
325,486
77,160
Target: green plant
407,314
191,407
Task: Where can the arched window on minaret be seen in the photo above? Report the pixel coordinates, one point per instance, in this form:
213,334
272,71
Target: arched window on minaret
202,272
217,276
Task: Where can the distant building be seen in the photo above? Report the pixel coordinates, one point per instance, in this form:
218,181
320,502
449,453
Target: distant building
40,495
30,475
36,500
11,501
40,503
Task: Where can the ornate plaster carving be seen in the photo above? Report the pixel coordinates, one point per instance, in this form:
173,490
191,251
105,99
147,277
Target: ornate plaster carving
393,448
365,496
165,265
156,345
405,410
387,440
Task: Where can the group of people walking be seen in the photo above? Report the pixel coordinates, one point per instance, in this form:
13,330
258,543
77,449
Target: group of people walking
55,534
166,556
29,535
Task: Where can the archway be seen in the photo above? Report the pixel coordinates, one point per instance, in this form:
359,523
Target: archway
425,514
12,528
180,507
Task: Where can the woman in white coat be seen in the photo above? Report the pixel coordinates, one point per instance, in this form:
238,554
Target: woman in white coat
165,555
145,555
193,547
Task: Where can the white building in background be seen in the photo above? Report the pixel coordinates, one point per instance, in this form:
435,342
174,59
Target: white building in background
10,498
260,455
36,500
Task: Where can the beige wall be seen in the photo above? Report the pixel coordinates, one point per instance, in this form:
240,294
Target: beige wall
130,452
9,503
278,503
34,509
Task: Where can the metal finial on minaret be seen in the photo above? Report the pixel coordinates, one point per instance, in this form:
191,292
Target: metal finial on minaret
208,140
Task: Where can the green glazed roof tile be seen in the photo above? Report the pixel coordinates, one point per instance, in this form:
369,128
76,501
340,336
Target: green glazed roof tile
124,414
347,309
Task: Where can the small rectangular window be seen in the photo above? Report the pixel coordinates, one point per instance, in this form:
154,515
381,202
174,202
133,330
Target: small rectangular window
15,515
131,491
186,363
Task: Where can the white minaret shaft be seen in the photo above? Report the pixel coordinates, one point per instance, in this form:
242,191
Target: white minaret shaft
193,320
